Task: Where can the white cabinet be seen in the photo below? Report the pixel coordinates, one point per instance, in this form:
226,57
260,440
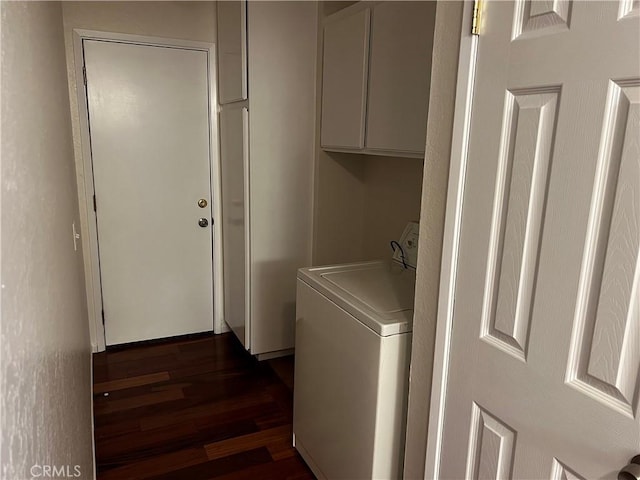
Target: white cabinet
376,76
266,159
234,163
232,51
399,76
344,80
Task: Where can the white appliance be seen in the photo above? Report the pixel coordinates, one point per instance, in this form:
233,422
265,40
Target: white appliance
353,341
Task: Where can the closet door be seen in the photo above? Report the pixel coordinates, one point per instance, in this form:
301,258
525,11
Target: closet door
344,80
232,51
234,163
150,157
399,75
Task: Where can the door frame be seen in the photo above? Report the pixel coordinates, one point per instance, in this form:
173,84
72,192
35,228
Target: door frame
451,239
92,260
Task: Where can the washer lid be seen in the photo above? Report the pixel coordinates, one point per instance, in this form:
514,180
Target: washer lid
379,294
384,290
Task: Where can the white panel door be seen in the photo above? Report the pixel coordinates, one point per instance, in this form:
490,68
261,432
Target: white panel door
344,80
544,365
234,168
149,122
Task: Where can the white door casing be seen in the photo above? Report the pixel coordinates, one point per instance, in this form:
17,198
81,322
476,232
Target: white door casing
542,355
149,121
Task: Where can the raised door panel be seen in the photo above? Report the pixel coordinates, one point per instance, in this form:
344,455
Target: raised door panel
519,199
232,51
344,80
491,446
605,356
399,76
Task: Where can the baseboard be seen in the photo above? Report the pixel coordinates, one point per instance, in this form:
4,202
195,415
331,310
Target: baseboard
270,355
307,459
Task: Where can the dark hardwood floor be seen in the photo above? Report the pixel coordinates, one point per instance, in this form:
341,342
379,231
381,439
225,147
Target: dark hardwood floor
192,408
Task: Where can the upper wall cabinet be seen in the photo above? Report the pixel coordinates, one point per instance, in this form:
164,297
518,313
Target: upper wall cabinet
399,76
376,76
344,80
232,51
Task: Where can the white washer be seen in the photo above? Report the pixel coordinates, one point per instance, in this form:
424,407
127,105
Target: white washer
353,341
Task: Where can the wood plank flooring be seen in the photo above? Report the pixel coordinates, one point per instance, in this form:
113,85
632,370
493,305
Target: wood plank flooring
193,408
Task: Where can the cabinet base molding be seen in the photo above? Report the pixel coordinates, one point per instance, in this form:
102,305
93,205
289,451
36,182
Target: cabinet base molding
277,354
380,153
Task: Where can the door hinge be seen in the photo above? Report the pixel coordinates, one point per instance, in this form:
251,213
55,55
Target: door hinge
475,20
95,205
84,75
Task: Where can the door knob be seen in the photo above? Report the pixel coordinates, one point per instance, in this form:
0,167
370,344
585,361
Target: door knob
203,222
202,203
631,471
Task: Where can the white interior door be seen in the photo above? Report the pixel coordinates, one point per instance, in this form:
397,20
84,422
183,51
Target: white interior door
149,123
544,363
234,167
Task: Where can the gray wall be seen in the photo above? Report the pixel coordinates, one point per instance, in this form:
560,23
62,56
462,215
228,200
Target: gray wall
446,45
46,359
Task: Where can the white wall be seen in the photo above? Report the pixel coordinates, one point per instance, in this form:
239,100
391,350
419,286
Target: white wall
339,208
362,203
392,198
180,20
46,356
446,44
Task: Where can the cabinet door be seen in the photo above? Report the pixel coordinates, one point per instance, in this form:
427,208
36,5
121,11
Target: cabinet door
282,127
344,80
234,163
399,75
232,51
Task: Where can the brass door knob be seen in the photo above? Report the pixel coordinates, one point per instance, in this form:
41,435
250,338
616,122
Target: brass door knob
202,203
